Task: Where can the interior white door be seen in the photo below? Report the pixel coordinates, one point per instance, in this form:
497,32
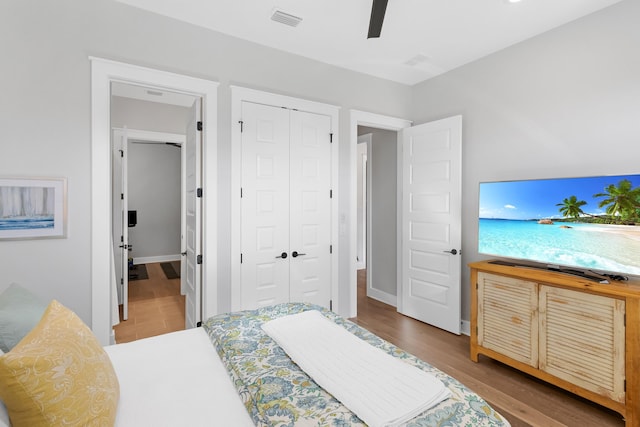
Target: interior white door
122,261
285,206
310,208
193,149
265,206
431,212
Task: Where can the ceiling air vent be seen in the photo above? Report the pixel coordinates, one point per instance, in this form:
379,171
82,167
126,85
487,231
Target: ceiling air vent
418,59
285,18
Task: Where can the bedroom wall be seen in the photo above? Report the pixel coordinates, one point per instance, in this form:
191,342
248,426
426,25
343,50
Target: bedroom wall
145,115
154,192
566,103
45,117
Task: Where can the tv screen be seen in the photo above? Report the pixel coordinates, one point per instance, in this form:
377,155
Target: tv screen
590,223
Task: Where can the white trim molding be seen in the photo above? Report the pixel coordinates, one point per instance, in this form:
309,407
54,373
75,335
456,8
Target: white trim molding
103,73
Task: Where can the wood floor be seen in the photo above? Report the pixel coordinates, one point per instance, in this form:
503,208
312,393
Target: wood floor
156,307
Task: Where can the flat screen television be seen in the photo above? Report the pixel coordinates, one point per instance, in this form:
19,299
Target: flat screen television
588,224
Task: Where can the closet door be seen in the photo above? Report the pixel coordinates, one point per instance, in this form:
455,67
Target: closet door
310,215
265,205
286,207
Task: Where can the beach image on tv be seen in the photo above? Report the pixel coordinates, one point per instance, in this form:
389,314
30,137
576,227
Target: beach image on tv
590,223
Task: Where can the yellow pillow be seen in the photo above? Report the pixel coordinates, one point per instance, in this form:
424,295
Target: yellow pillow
59,374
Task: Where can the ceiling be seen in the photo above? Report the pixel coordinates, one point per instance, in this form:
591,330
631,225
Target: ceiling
420,38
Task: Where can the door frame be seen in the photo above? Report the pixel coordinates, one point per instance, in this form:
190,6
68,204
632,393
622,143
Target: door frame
103,72
240,94
363,118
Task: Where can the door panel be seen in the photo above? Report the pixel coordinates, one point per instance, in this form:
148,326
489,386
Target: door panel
310,208
431,223
120,218
265,205
286,206
193,146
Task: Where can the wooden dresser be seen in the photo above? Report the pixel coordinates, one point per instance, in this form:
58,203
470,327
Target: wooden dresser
578,334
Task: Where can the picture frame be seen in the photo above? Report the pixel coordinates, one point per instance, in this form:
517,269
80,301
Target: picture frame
33,208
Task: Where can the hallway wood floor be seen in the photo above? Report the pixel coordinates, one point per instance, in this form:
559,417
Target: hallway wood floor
156,307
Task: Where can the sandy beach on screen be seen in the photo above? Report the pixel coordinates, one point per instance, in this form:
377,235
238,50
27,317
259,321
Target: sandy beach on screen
630,231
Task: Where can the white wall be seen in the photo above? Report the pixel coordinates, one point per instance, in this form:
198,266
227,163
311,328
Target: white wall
566,103
45,117
154,192
145,115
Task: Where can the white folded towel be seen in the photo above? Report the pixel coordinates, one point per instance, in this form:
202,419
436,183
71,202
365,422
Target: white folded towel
380,389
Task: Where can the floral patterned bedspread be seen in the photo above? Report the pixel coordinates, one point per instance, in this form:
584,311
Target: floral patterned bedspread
276,392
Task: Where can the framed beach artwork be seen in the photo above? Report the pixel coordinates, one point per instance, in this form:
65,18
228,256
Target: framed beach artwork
33,208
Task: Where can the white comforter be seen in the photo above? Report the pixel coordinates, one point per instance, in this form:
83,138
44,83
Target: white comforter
175,379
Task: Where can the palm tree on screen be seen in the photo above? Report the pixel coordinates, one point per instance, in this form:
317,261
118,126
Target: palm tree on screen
621,201
571,207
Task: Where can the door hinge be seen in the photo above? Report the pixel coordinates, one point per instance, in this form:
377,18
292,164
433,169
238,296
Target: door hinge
122,281
625,385
199,259
241,126
476,285
199,192
241,192
331,304
121,153
199,126
331,138
121,196
331,194
330,249
240,258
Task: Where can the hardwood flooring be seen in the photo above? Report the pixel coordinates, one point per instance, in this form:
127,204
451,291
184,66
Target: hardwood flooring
156,307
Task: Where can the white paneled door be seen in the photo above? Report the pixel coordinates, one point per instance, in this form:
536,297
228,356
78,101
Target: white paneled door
286,206
193,219
121,216
431,212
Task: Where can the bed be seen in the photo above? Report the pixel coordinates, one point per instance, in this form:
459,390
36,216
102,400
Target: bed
271,387
231,372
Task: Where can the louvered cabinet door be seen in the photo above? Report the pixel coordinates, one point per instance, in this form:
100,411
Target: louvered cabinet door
582,340
508,317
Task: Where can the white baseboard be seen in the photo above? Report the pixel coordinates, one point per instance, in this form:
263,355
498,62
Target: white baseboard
465,327
382,296
160,258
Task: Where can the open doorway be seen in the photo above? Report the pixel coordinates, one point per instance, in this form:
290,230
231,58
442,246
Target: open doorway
377,218
149,172
104,72
380,223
